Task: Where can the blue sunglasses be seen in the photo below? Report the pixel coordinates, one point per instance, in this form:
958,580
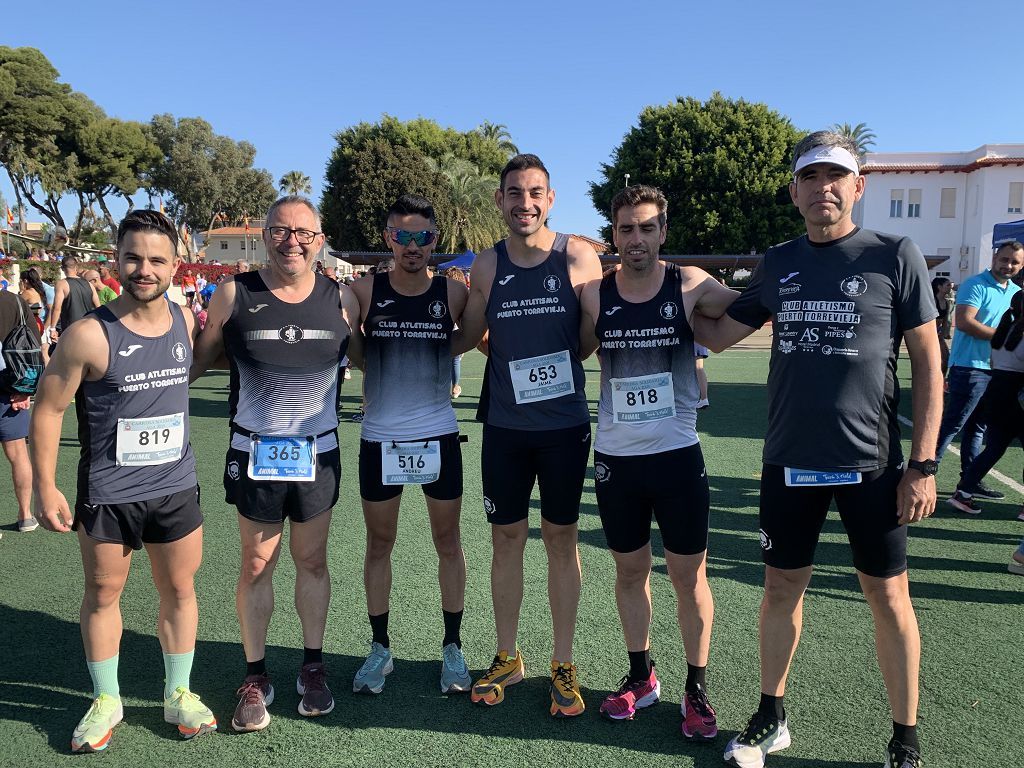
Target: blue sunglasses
404,236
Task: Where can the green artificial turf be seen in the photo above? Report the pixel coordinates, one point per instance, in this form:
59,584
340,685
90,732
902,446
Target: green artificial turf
969,608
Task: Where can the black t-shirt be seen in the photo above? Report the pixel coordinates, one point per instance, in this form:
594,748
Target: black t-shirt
839,311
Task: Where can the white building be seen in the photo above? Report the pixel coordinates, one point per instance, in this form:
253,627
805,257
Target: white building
229,244
946,202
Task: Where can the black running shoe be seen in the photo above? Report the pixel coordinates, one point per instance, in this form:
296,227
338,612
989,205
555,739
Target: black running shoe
988,493
899,756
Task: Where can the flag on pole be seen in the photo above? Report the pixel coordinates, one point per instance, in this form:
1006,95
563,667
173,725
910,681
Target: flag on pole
10,217
162,207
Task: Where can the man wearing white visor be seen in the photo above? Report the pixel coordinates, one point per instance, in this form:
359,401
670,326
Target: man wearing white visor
842,299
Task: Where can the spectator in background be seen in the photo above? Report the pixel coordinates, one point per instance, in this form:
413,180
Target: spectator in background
456,274
980,303
188,286
942,287
108,279
73,299
14,419
241,266
48,293
34,294
200,283
106,295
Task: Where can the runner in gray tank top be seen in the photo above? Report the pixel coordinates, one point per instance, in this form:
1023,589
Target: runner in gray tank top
647,458
410,435
284,330
126,366
525,292
73,298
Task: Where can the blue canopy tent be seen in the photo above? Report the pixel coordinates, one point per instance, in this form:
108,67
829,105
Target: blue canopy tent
463,261
1008,232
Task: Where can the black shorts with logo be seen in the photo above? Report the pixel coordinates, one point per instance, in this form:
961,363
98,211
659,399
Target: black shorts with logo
512,460
274,501
161,520
448,485
792,517
671,487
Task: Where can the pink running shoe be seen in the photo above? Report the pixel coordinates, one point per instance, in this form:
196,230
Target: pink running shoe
699,722
631,696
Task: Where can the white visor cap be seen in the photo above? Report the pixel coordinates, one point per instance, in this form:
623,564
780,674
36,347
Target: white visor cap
822,154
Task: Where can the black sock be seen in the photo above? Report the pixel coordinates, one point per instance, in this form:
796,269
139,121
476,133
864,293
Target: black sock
312,656
906,735
379,627
772,706
256,667
639,665
452,625
695,677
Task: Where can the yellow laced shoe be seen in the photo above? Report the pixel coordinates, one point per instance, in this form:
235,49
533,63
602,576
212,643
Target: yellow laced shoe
185,710
566,700
503,672
93,731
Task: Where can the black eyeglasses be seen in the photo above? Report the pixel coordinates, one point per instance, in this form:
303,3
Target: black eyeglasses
303,236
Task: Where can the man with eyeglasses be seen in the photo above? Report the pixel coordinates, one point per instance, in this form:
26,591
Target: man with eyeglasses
284,331
525,291
410,435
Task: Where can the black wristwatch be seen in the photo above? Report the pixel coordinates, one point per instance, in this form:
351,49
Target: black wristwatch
928,467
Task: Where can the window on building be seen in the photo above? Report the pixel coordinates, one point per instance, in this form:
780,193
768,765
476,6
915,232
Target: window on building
947,205
913,203
896,204
1016,203
242,244
223,245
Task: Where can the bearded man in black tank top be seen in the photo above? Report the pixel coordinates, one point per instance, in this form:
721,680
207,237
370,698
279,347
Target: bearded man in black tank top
126,366
525,292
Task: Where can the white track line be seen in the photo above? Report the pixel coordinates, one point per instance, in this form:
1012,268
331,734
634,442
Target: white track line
991,473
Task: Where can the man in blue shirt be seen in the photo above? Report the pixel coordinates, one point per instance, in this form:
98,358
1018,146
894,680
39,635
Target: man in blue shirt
980,302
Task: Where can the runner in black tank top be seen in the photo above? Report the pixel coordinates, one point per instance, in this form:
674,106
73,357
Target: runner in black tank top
536,422
647,459
126,365
409,432
285,330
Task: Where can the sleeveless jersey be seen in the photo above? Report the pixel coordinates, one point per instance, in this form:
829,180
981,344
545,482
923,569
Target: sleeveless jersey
146,378
408,381
533,312
77,304
284,362
640,343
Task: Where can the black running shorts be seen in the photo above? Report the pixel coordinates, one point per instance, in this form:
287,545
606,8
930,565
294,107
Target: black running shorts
274,501
448,485
792,517
154,521
671,487
512,460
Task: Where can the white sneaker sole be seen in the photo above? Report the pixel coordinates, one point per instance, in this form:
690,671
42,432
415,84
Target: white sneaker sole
755,761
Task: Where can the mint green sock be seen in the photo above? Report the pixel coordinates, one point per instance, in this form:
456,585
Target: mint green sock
104,677
177,668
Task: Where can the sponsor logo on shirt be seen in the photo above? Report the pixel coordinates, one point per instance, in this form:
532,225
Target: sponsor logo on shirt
787,290
178,352
437,310
788,277
257,308
131,350
384,303
785,347
552,283
290,334
505,279
612,311
668,310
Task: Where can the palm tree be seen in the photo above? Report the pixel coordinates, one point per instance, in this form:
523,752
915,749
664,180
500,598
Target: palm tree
860,134
500,135
295,183
476,221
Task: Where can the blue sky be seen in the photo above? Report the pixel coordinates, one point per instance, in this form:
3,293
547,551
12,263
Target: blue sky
567,78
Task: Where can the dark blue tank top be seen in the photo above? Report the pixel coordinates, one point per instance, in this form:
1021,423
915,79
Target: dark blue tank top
533,319
146,378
